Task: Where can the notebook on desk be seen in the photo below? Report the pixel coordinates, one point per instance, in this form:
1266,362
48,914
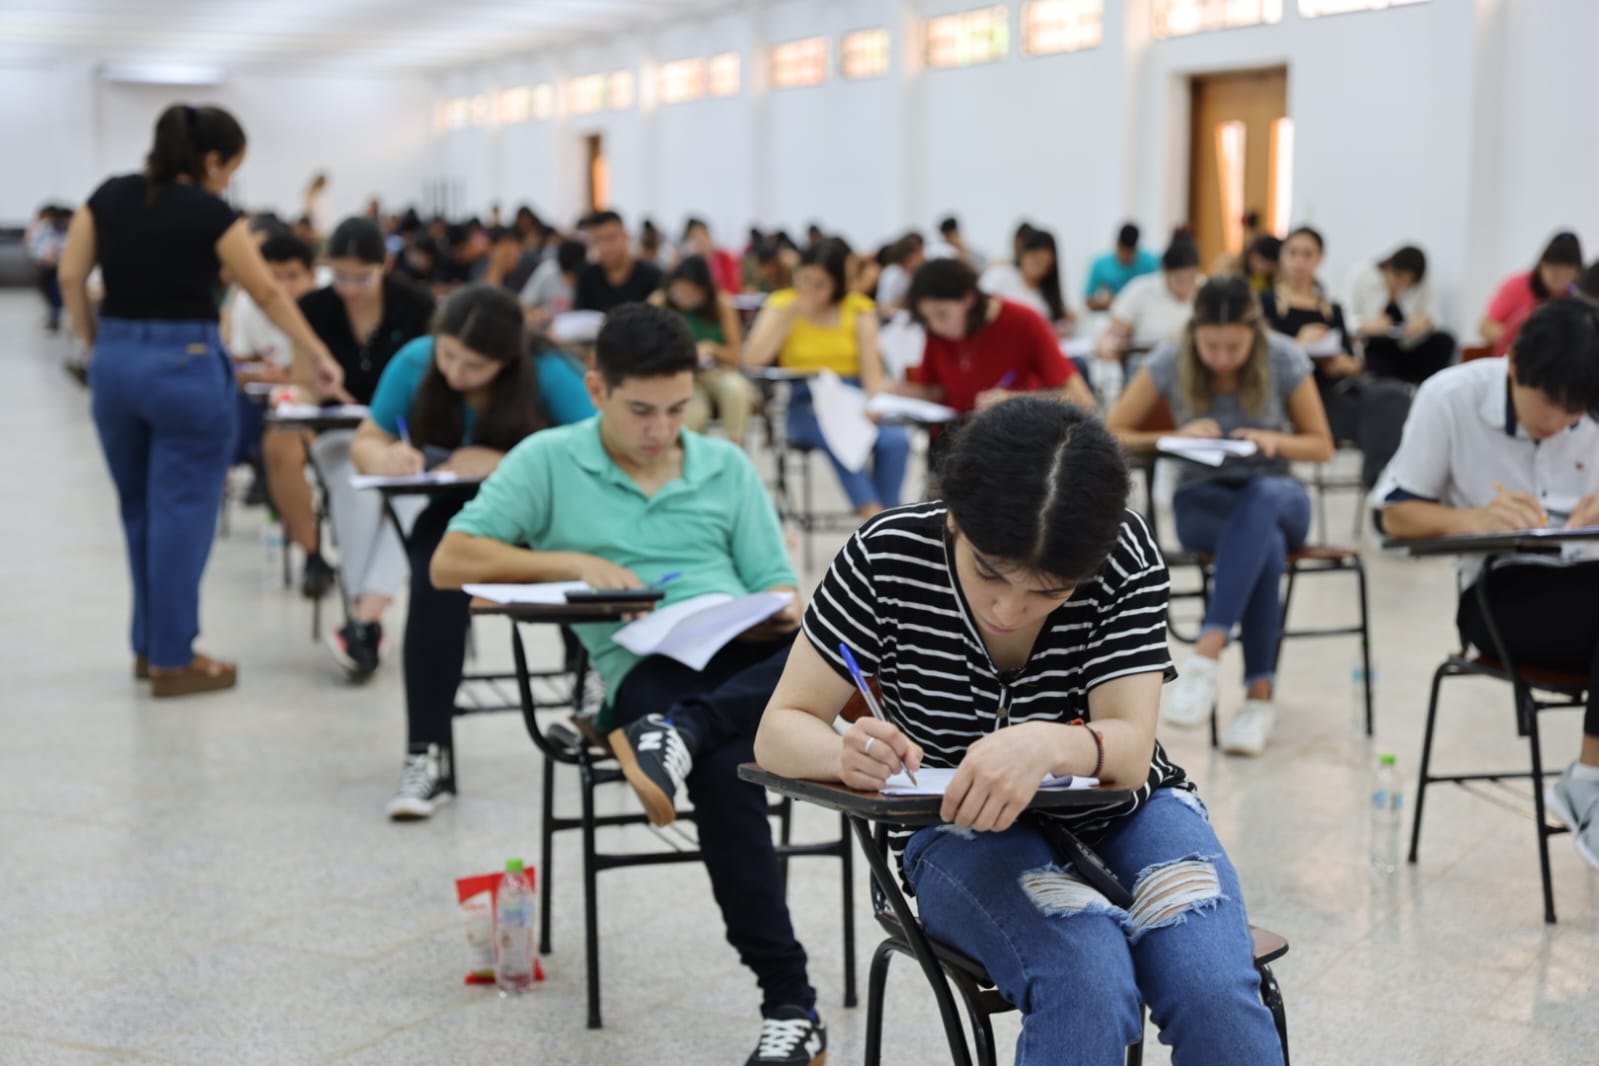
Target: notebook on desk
932,781
379,481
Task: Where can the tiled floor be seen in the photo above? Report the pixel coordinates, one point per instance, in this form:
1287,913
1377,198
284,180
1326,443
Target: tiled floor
211,881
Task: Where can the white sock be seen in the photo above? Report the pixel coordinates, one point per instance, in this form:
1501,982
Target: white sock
1581,771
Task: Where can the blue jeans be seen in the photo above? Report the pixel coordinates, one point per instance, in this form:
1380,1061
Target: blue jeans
891,455
1249,528
1076,965
163,401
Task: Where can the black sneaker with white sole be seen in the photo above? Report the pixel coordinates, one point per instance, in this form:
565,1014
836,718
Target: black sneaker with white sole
318,578
793,1036
656,756
420,792
358,646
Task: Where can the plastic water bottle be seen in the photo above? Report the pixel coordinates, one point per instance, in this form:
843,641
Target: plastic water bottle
513,931
1105,379
272,550
1387,807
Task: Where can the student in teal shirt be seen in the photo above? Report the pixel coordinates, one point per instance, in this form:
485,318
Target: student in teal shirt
1111,271
456,400
620,501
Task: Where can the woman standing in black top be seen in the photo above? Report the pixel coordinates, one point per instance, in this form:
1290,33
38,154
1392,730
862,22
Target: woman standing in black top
162,383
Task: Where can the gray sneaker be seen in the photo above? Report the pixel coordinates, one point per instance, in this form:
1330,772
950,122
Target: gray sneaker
1576,803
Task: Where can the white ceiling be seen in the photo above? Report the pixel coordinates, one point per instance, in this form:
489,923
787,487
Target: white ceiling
367,35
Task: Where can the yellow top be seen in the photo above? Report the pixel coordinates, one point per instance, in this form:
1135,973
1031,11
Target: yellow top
815,348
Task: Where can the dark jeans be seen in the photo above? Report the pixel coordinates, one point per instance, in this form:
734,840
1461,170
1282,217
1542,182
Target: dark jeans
48,281
436,625
163,405
1370,412
721,706
1546,616
1388,358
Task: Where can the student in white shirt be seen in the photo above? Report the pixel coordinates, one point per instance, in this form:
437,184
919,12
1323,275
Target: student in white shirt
549,291
1033,280
1154,308
1498,445
1396,319
903,257
252,338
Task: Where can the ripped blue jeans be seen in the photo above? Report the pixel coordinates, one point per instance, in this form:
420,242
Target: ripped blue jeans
1078,967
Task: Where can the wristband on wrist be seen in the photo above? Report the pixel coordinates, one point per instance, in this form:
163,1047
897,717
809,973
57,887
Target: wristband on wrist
1099,746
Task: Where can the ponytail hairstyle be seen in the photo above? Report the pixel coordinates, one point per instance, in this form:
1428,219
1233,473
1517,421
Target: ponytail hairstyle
487,320
1038,485
184,136
1224,301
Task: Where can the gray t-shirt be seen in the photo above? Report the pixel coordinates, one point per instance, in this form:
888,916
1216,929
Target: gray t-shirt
1287,366
548,288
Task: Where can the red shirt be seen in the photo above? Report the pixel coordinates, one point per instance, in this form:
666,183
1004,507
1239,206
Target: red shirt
1510,307
1018,348
725,272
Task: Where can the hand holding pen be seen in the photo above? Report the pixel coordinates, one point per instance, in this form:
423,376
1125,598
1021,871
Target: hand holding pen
874,748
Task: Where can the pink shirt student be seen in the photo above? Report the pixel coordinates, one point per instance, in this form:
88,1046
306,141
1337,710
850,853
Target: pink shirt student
1511,305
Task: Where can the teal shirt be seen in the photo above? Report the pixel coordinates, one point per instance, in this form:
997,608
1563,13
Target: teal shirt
1108,272
561,390
560,491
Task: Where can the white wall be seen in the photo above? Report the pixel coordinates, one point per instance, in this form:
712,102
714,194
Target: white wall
370,133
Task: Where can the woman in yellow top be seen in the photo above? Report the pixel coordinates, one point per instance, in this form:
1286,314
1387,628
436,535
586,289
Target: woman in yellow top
820,325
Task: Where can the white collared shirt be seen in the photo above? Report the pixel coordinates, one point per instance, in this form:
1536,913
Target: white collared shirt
1462,438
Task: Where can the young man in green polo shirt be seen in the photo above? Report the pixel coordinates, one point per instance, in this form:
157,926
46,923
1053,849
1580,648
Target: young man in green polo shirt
620,501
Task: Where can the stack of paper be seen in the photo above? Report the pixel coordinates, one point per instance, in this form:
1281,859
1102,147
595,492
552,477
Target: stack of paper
378,481
910,409
696,629
311,410
935,782
576,327
841,415
549,592
1210,451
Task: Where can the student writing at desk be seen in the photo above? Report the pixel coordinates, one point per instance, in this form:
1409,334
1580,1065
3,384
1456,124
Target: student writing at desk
471,390
621,500
820,325
1229,377
1501,445
1016,629
365,317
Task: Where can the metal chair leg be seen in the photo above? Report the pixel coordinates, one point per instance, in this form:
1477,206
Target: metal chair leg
982,1027
547,856
1525,701
591,902
1135,1051
876,983
1426,758
846,860
1365,644
1272,995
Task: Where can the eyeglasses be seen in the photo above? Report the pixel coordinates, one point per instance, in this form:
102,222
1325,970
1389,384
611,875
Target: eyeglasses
356,281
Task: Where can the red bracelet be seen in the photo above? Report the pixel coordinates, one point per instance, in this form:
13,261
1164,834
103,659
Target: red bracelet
1099,747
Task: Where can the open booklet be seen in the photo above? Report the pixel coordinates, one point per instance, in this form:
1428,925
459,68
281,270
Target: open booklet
1212,451
696,629
378,481
910,409
935,782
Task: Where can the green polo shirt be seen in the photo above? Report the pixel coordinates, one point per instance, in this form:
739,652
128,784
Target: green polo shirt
560,491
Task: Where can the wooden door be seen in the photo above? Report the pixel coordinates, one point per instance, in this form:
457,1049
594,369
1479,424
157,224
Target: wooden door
599,173
1240,158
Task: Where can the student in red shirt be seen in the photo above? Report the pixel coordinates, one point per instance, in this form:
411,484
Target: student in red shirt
1520,294
981,349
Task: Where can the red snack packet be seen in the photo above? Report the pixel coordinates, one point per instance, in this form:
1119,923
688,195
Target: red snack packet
476,897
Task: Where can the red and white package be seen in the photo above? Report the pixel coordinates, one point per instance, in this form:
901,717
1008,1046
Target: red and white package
476,896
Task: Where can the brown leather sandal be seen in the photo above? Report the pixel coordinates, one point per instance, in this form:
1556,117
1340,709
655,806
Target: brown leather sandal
203,674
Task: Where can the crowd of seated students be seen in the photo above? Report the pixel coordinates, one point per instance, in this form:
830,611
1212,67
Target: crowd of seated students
437,327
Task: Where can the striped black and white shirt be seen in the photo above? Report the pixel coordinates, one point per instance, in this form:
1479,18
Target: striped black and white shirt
893,597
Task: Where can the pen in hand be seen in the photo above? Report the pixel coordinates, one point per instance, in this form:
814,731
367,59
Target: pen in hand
405,430
866,692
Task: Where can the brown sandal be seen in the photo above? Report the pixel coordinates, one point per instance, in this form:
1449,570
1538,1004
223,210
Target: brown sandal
203,674
141,668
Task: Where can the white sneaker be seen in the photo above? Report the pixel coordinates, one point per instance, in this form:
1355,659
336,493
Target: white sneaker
1191,700
1576,803
1251,729
419,793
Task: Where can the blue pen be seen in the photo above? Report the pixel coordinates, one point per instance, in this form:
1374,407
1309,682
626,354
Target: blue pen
866,692
1007,381
668,579
405,430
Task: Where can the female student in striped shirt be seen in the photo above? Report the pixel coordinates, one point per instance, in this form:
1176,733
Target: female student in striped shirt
1017,629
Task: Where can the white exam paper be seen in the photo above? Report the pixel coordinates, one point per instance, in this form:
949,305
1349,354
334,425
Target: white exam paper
549,592
696,629
1210,451
931,781
841,415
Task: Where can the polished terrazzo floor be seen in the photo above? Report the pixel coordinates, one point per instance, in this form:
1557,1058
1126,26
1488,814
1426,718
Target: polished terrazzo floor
211,881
